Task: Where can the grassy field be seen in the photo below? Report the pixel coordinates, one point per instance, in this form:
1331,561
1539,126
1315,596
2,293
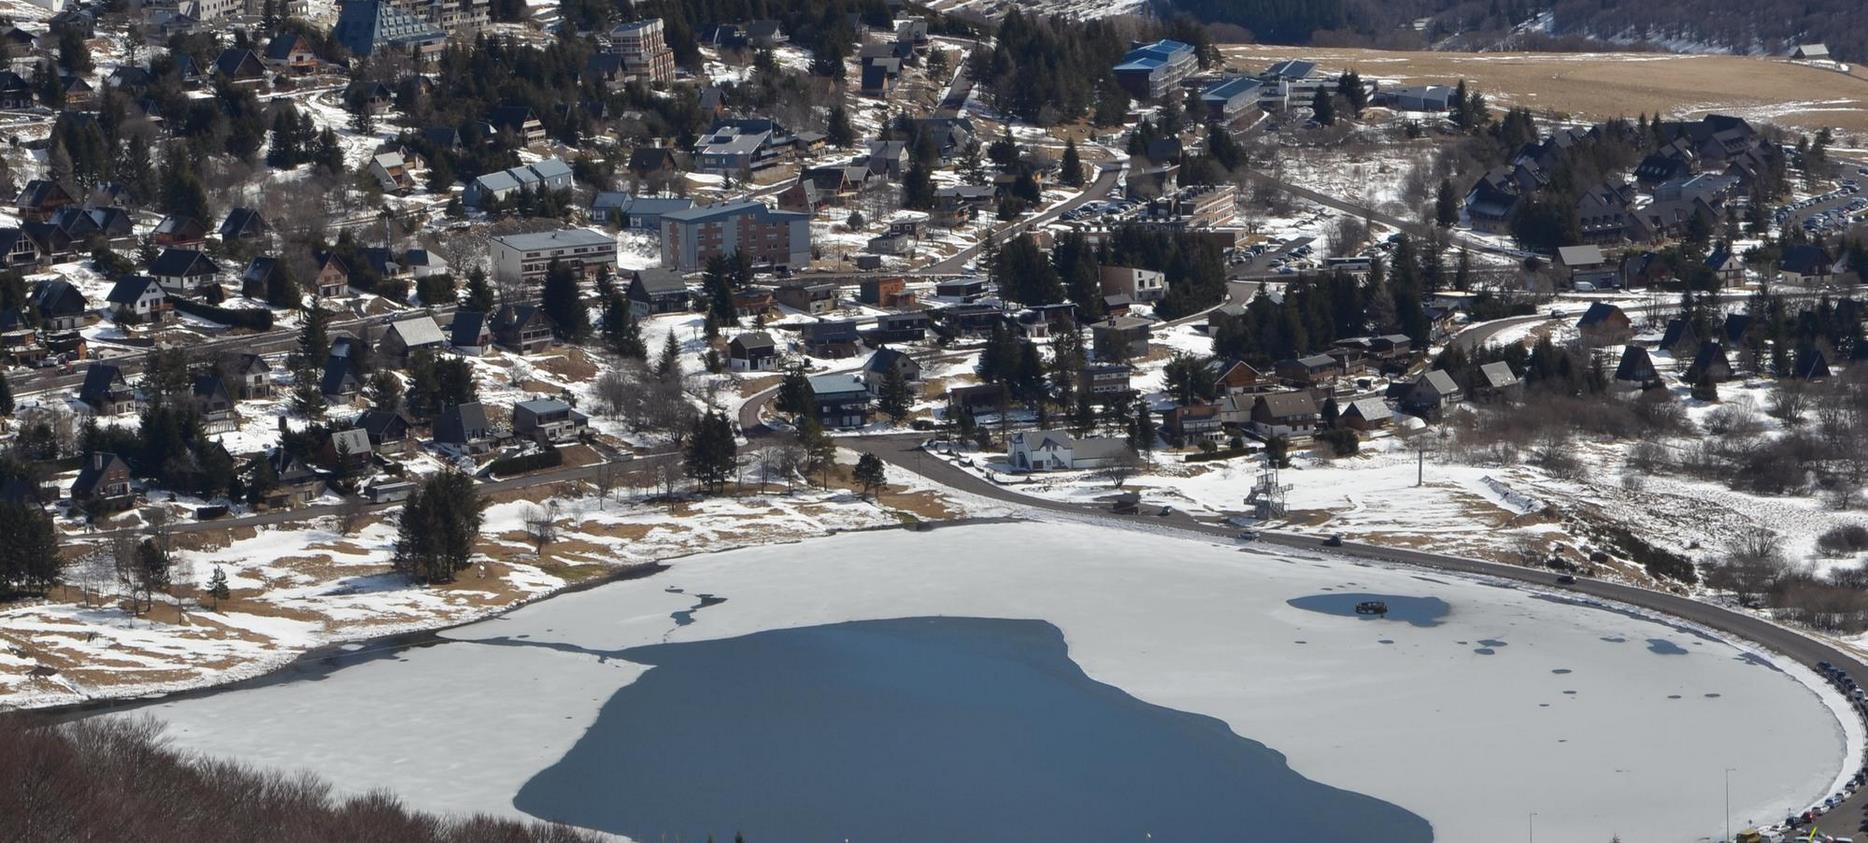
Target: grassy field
1604,85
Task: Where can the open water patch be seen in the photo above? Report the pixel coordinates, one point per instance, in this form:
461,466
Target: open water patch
923,729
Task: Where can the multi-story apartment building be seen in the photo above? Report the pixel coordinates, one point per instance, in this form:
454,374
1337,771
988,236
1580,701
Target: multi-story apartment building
691,237
644,50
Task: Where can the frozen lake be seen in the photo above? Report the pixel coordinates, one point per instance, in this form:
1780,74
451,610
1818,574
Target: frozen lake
740,679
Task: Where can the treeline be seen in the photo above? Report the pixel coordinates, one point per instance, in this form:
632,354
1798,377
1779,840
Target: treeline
1194,268
1743,26
115,779
1050,71
815,25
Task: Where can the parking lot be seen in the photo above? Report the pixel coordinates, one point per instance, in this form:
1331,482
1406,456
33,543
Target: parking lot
1837,210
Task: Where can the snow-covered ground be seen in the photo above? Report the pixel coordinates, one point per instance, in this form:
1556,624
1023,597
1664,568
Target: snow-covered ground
1607,722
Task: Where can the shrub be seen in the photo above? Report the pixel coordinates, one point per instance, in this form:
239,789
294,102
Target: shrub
1342,441
1843,540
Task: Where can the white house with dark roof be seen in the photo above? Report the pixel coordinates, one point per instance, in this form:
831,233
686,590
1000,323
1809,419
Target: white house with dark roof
1055,450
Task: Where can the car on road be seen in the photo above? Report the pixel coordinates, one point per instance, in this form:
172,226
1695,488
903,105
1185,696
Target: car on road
1566,579
1248,535
1335,540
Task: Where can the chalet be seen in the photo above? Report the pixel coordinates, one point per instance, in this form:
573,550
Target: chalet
463,425
518,120
754,302
907,326
408,336
964,289
138,298
59,305
345,451
1492,199
40,198
1284,414
836,338
290,53
884,361
471,333
1308,370
1431,393
51,242
1121,338
1809,52
650,162
244,224
1237,377
812,297
1809,364
1636,369
15,91
958,204
1646,268
887,158
881,291
1195,423
105,391
104,482
842,400
19,340
1805,264
247,375
1604,324
1726,265
1679,338
259,276
522,328
298,485
388,430
548,420
333,278
1710,362
1054,450
211,397
339,379
392,172
184,271
17,247
1365,414
1496,382
752,352
82,225
241,68
1391,347
1670,162
1586,265
656,291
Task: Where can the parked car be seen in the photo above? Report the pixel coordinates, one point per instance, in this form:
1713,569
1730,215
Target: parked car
1335,540
1566,579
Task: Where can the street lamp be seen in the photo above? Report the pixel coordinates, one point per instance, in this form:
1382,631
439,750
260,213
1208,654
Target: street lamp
1728,802
1533,827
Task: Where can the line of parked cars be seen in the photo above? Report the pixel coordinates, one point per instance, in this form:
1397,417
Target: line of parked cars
1828,219
1859,698
1114,209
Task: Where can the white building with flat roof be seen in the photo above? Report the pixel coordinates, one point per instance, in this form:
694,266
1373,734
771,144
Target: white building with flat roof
525,257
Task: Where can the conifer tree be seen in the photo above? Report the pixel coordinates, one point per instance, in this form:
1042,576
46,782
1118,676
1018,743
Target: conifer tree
870,474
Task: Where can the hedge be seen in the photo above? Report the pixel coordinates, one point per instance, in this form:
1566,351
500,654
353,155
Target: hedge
1222,454
548,458
252,318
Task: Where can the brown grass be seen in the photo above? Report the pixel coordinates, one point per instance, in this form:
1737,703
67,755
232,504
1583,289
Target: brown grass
1599,86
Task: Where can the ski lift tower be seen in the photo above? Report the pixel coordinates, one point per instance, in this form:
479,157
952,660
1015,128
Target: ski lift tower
1267,498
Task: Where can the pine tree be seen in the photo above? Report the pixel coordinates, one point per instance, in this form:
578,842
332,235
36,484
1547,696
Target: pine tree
563,302
622,335
1072,169
29,557
820,451
794,393
712,455
668,366
717,282
894,399
1446,205
6,395
314,340
1349,85
479,292
870,474
439,524
1322,108
217,586
840,133
1142,431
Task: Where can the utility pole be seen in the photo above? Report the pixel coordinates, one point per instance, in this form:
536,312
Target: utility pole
1533,827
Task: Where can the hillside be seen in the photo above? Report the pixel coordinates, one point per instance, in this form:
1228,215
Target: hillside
1604,85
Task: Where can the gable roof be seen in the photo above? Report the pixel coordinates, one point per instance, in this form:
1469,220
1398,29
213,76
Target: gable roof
173,262
1598,314
418,331
129,288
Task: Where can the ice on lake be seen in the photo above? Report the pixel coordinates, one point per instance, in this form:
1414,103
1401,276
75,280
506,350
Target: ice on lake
1574,713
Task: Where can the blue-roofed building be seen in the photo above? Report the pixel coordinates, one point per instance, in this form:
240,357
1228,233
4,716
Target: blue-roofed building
1232,99
548,174
366,26
642,213
1151,70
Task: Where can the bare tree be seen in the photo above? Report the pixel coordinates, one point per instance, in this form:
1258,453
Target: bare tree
350,514
604,479
541,523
